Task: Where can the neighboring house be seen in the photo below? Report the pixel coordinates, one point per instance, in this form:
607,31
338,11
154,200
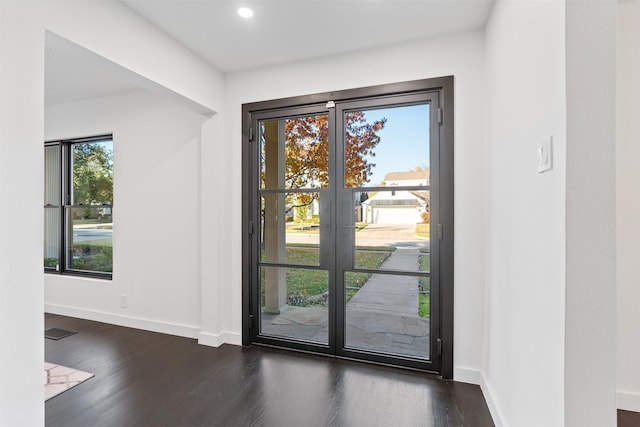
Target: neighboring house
398,207
302,210
419,176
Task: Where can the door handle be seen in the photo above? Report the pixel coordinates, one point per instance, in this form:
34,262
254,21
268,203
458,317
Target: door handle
349,226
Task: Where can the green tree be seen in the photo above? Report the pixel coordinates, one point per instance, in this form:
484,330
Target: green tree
92,173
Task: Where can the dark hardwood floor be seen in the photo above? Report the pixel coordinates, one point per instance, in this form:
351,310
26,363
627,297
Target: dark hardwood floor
149,379
628,418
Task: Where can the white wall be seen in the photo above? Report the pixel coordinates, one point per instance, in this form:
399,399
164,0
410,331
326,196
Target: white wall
135,45
21,295
524,358
590,329
156,211
461,56
628,206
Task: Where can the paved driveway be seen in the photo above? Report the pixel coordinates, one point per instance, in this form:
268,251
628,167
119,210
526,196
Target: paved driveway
401,235
389,231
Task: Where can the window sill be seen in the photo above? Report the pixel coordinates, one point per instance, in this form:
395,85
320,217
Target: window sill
80,274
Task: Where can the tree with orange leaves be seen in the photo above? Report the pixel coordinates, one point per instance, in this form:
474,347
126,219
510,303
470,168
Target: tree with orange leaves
307,150
307,153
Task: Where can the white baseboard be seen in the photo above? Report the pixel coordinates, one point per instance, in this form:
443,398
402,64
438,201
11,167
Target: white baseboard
474,376
628,401
186,331
466,375
216,340
496,413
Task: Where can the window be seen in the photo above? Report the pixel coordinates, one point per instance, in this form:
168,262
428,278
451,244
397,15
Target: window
78,206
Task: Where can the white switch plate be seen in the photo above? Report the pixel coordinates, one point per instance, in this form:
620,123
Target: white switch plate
545,155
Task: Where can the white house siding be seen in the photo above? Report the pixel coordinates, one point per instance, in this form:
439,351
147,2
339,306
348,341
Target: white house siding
395,215
393,207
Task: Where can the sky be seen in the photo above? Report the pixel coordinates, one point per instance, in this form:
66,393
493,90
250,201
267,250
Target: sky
404,140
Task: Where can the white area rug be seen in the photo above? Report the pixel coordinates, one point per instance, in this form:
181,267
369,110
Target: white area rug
60,378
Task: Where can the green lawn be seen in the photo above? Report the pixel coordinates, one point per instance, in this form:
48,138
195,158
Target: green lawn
307,282
306,228
376,248
360,225
309,287
309,255
313,228
353,282
425,261
424,305
423,230
424,284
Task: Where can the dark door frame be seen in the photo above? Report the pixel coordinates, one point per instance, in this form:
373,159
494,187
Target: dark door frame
443,86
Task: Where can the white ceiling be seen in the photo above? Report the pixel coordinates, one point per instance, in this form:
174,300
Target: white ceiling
281,31
290,30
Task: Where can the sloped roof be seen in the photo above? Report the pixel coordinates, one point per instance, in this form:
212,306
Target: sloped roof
424,195
407,175
404,198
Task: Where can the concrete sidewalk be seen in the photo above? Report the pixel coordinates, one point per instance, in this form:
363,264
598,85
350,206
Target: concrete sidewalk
385,293
382,316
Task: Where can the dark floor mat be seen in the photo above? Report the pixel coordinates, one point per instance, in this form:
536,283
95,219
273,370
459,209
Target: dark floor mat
56,334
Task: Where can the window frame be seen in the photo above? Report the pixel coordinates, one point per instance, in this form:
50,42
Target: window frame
64,206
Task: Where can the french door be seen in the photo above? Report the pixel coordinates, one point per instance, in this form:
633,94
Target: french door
348,204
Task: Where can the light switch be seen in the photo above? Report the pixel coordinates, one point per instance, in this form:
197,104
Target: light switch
545,155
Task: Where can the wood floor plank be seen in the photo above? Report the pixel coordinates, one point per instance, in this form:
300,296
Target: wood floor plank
149,379
628,418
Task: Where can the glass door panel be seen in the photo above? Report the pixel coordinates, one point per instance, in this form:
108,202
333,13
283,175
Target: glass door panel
388,221
293,228
387,313
387,146
298,241
295,303
384,312
385,229
294,152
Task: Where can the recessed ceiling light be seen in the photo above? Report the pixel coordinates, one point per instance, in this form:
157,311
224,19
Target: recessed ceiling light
245,12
